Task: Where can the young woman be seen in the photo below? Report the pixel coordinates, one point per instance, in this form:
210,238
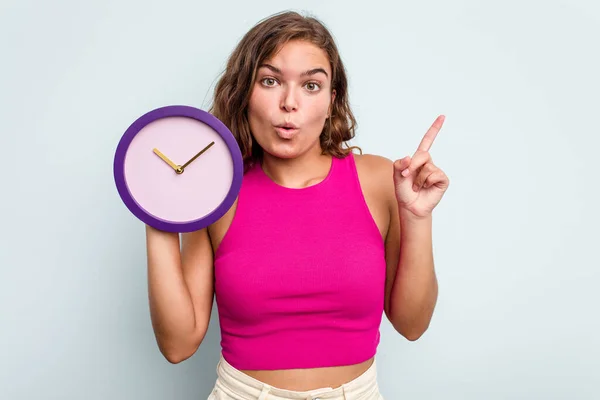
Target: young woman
320,243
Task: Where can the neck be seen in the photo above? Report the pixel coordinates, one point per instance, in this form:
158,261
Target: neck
305,170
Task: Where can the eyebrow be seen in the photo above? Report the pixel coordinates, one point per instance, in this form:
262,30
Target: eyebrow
310,72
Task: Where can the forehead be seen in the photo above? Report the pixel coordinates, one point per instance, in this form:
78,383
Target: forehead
299,56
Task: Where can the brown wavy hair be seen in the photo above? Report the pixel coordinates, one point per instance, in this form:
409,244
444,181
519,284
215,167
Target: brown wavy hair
233,90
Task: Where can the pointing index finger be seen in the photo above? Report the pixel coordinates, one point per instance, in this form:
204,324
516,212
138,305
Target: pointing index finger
430,135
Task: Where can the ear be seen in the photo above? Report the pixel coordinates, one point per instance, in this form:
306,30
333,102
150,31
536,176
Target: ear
332,101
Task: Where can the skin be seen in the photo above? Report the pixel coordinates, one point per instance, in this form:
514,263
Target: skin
283,94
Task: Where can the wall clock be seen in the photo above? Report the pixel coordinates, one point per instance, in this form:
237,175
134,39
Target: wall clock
178,168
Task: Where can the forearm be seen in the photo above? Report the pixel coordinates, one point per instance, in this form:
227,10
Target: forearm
171,306
415,290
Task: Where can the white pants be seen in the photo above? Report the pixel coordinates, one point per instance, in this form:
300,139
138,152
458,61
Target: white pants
233,384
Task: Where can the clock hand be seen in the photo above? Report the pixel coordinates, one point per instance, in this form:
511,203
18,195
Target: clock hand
196,156
165,159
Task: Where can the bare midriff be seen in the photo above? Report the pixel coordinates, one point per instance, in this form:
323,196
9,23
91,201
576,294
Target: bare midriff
310,378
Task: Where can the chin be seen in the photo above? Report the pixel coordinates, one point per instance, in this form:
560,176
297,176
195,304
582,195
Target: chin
283,151
290,149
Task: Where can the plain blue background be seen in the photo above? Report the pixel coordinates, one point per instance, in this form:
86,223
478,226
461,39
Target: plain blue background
515,236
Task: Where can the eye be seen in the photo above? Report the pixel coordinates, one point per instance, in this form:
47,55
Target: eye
268,81
313,86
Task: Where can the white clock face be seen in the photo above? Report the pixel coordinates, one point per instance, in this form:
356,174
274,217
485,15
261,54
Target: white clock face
150,169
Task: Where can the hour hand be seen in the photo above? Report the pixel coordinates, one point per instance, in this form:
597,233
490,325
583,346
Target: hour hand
166,159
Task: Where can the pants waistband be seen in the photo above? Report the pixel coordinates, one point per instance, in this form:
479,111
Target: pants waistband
236,383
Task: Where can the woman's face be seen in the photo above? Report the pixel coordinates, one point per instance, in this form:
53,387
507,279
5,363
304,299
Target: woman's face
290,100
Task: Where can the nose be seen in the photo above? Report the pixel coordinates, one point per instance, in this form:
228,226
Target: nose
289,102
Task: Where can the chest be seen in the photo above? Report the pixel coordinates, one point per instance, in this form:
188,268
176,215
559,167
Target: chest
376,208
304,263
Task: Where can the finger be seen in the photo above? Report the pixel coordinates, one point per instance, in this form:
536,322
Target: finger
402,164
431,134
427,170
418,160
437,178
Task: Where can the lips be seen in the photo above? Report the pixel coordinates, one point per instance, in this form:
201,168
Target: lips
287,125
287,130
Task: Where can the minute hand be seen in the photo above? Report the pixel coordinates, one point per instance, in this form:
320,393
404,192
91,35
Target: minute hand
197,155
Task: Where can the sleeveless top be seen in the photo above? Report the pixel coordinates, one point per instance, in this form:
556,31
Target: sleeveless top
300,274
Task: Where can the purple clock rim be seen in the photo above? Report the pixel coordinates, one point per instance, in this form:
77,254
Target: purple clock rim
177,111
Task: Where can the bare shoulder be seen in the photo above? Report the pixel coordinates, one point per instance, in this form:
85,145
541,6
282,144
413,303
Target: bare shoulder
377,173
220,227
373,161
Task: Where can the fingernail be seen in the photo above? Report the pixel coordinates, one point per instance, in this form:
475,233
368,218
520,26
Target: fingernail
415,188
405,172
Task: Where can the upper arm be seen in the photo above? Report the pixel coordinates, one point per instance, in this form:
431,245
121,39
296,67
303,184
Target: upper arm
378,173
392,247
385,177
198,273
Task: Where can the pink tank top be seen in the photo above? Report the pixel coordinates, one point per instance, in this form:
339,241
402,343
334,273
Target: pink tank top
300,274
